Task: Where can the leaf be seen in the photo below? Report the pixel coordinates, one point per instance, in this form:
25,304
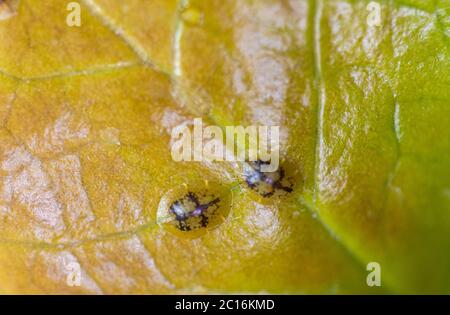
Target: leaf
85,145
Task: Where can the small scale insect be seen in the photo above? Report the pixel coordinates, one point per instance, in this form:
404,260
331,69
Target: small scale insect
266,184
190,213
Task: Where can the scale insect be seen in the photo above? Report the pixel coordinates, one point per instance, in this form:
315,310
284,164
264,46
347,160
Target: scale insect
265,184
190,213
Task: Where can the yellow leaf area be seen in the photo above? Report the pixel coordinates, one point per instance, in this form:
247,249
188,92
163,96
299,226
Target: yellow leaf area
86,115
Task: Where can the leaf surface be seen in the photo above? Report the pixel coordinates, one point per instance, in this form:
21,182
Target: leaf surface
86,115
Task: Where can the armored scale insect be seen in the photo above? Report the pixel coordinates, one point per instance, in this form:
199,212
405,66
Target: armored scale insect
190,213
265,184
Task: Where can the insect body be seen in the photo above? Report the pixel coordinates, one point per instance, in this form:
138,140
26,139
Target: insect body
266,184
190,213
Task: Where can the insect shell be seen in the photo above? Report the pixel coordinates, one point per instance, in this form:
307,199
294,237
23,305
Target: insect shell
266,184
192,214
